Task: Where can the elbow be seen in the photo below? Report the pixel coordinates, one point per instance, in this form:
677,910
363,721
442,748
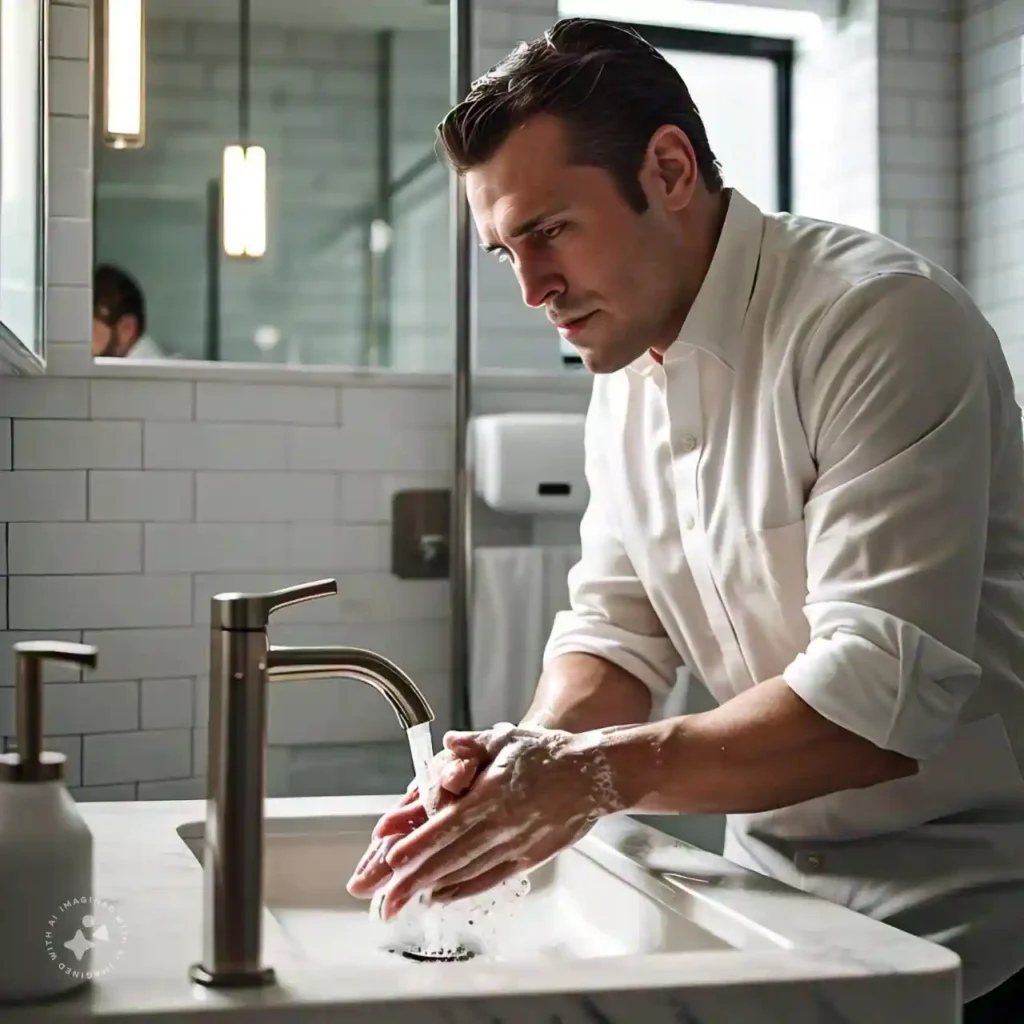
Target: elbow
650,659
874,765
900,695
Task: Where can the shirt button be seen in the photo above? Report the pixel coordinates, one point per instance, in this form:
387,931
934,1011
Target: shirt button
689,522
689,442
809,863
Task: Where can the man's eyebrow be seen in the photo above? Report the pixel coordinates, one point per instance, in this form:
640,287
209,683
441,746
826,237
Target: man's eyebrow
525,228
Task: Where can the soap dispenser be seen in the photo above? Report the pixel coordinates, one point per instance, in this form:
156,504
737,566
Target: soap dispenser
47,916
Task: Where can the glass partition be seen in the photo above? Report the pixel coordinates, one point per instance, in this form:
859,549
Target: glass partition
22,182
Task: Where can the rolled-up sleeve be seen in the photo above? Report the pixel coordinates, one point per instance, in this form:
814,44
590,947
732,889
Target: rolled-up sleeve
609,613
894,396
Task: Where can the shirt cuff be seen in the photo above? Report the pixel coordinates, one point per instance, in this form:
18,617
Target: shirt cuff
902,690
651,659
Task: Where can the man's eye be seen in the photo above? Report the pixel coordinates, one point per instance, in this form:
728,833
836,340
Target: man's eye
503,256
552,230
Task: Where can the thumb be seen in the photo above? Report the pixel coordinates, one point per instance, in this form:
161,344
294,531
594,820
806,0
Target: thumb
482,744
458,774
465,744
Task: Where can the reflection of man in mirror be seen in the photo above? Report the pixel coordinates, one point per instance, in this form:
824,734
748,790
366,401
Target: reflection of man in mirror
119,317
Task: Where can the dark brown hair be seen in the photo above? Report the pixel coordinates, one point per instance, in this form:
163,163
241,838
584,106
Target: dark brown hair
115,293
610,87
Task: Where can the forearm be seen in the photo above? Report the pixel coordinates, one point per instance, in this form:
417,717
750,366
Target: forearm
581,692
762,750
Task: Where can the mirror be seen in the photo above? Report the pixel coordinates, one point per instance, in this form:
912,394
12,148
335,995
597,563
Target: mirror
266,184
23,183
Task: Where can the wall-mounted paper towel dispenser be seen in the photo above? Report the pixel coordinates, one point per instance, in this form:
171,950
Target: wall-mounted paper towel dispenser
530,463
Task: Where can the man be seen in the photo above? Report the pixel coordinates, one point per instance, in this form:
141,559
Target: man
807,485
119,316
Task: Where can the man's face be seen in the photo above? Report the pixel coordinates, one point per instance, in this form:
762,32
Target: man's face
607,276
113,337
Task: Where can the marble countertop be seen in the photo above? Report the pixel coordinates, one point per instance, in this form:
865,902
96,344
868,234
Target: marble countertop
825,965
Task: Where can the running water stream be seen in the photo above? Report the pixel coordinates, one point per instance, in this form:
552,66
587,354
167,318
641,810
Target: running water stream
421,746
451,932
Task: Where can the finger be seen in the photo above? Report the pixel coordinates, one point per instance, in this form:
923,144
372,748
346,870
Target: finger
372,877
459,775
442,796
481,883
457,741
411,796
477,867
436,863
483,745
373,870
372,852
438,831
401,821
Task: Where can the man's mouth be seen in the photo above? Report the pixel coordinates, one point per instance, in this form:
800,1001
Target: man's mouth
568,328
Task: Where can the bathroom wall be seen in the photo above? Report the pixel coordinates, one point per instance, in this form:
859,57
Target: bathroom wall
919,143
993,172
877,126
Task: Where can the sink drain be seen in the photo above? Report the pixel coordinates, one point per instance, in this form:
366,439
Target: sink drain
449,955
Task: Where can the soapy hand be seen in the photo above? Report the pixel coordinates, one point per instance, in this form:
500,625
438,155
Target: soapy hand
451,774
540,791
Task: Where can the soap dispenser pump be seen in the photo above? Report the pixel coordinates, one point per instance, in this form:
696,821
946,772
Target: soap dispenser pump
46,857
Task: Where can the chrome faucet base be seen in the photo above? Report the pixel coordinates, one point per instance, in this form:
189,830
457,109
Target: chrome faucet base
232,979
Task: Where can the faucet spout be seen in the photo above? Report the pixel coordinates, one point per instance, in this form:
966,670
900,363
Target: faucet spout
383,675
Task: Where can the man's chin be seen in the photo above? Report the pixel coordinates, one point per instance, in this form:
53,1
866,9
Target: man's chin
601,361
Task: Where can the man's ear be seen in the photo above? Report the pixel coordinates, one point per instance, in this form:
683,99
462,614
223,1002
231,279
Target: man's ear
127,331
671,166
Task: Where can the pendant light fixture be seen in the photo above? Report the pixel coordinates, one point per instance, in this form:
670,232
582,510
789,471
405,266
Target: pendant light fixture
124,73
244,168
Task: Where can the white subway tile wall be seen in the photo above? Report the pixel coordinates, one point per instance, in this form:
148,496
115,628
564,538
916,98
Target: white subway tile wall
876,123
126,504
835,120
993,171
919,142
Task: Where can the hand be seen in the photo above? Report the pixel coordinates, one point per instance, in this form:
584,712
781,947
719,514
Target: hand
451,774
540,792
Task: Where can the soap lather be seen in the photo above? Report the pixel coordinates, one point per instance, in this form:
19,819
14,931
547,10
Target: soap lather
46,850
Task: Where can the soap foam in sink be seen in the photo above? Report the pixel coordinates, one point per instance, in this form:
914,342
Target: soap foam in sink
446,932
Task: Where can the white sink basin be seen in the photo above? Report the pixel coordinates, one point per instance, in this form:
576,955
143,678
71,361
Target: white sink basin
627,913
577,906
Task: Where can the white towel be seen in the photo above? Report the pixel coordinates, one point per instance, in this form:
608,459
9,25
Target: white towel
517,592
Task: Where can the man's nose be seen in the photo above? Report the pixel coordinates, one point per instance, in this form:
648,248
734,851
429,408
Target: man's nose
538,285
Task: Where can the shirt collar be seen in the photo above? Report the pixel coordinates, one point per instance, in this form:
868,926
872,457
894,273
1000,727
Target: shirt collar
716,318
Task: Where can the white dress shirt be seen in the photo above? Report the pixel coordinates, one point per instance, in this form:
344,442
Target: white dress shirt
825,481
145,348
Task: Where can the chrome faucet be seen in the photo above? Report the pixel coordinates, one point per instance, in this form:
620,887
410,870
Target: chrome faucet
242,661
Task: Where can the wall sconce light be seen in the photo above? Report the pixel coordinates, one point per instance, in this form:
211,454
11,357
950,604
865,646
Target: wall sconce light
244,169
124,73
244,201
